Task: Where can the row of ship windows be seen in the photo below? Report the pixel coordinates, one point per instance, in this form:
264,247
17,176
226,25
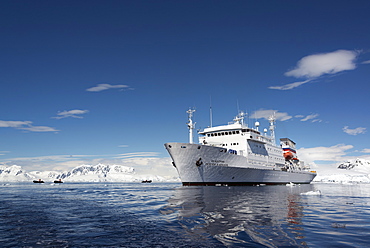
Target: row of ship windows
222,133
270,149
232,144
263,155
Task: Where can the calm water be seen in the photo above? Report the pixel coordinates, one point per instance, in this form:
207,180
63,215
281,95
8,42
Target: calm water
169,215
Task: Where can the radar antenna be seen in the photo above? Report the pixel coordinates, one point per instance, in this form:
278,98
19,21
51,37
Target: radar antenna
240,118
191,124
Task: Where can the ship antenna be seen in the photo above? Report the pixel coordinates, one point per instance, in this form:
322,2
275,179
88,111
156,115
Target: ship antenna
237,106
272,120
191,124
210,110
240,118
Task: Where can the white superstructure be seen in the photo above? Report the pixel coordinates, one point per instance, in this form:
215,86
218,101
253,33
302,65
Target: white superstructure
235,154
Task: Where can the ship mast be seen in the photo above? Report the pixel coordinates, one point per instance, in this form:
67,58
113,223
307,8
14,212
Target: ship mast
191,125
272,127
240,118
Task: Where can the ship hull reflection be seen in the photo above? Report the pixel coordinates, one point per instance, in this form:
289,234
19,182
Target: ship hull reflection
266,216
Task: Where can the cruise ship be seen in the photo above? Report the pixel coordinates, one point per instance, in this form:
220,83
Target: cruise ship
235,154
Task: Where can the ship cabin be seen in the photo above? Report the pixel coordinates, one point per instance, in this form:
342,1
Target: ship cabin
238,138
231,135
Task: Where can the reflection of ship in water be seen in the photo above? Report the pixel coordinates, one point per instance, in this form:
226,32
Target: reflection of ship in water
269,216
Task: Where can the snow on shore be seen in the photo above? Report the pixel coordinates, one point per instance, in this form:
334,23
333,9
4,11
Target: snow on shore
356,171
83,173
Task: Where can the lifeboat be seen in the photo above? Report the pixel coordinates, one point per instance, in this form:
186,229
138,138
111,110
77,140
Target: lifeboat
288,155
58,181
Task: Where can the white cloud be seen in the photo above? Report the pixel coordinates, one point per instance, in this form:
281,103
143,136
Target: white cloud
333,153
266,113
316,120
289,86
355,131
310,117
27,125
53,162
136,154
75,113
366,150
366,62
101,87
14,124
151,165
39,129
316,65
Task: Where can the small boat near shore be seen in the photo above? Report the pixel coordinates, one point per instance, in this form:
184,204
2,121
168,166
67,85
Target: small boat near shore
58,181
38,181
146,181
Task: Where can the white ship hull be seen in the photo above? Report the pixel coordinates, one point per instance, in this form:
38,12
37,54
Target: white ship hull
209,165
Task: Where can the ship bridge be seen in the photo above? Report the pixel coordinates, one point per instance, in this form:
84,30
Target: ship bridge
234,134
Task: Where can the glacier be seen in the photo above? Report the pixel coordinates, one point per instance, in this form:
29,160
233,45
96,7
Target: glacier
82,173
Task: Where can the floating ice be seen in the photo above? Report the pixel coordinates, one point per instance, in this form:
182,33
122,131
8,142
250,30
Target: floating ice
291,184
317,192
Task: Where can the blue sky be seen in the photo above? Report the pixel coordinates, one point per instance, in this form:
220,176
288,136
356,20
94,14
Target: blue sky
84,82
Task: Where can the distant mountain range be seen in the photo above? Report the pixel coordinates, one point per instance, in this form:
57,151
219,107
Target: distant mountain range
83,173
360,165
351,171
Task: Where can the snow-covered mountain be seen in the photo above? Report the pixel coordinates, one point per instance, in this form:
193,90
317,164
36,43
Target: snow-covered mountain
360,165
13,173
83,173
351,171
